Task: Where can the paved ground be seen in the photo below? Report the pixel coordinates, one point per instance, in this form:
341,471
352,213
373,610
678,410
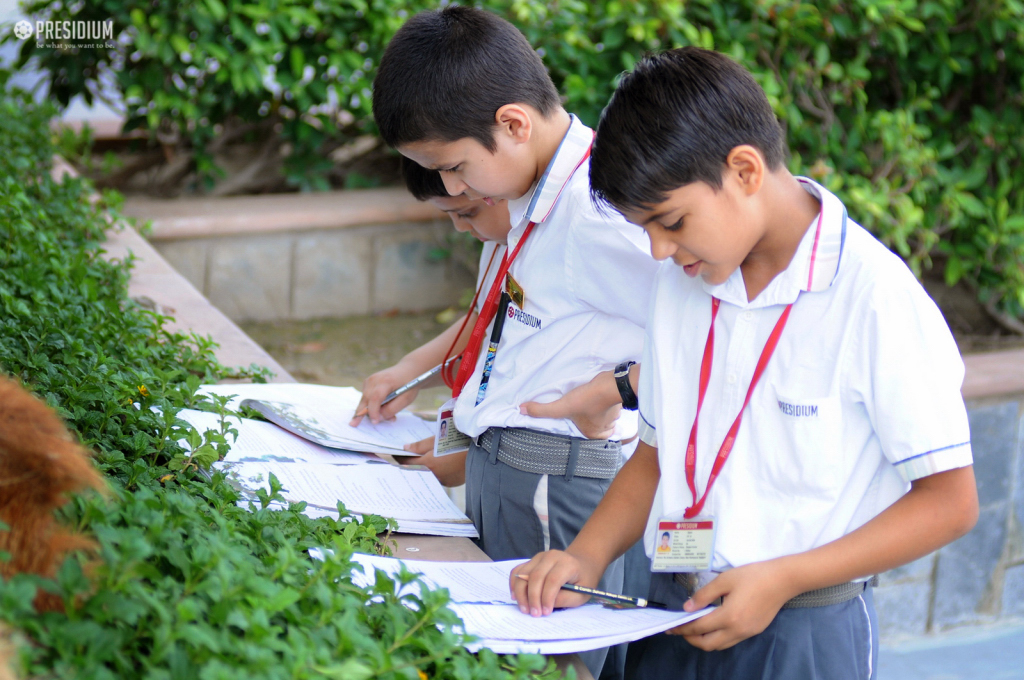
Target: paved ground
986,654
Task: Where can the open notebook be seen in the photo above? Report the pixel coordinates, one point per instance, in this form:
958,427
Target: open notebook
320,414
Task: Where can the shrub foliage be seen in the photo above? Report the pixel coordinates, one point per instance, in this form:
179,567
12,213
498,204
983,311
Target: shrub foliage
909,109
187,584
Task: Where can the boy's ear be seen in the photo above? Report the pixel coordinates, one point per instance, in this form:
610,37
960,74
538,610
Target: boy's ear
514,121
746,164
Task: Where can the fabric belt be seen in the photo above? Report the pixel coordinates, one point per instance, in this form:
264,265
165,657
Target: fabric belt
822,597
544,453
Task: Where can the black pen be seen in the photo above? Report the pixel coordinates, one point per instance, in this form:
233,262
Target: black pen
612,599
492,348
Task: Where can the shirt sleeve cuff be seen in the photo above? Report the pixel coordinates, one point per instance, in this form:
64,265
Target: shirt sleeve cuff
933,462
648,434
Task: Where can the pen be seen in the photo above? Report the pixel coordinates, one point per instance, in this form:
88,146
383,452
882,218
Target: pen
415,382
610,598
492,349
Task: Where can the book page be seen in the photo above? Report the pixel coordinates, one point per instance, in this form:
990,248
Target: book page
379,489
325,424
481,582
260,441
295,393
506,622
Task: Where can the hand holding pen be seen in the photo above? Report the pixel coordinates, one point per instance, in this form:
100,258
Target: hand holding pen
383,380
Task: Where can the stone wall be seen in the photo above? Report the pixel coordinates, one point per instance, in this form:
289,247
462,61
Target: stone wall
978,579
305,256
322,274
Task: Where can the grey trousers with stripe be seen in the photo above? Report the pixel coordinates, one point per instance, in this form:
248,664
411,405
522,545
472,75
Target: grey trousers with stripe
835,642
501,502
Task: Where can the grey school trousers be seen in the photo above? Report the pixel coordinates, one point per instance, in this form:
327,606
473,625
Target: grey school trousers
500,501
835,642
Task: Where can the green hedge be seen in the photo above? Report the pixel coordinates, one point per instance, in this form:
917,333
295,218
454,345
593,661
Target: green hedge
188,584
909,109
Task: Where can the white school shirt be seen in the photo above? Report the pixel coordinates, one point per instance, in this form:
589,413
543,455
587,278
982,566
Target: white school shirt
861,397
587,276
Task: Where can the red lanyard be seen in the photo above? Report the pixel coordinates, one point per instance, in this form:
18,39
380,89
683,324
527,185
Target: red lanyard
730,437
490,308
447,369
487,314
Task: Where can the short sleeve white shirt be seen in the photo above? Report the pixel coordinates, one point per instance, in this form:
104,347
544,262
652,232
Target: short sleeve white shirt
861,397
587,276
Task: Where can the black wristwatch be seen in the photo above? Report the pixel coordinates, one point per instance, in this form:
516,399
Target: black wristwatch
629,400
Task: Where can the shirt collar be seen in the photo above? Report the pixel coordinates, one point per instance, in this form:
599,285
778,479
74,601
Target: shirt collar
536,205
814,266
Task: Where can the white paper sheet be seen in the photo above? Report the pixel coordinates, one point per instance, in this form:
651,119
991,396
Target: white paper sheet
405,526
260,441
480,597
506,630
380,489
327,424
298,393
326,411
480,582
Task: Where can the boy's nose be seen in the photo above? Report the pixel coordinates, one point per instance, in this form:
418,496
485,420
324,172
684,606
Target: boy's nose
661,249
453,185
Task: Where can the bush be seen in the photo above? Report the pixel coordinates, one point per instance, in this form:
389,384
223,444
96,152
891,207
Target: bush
187,584
909,109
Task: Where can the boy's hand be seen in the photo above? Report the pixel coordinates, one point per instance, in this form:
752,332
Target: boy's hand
450,470
537,584
376,388
751,597
593,407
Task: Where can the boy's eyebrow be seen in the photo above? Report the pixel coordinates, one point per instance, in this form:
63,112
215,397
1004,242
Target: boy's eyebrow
656,216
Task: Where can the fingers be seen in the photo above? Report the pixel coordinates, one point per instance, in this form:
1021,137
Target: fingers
390,410
421,447
360,412
537,584
554,409
709,593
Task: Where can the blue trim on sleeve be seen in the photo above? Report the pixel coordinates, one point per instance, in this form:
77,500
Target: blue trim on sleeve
646,422
928,453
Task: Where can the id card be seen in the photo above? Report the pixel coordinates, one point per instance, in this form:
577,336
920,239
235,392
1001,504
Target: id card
686,545
448,439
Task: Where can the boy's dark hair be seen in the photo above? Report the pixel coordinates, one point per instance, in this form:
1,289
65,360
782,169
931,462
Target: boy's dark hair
422,183
446,72
673,121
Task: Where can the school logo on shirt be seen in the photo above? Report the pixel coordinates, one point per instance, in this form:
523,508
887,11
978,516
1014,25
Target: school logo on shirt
523,318
798,410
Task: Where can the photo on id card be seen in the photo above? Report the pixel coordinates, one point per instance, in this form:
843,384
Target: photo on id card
448,439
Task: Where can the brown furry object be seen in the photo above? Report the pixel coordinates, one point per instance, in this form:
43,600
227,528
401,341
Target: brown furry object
40,463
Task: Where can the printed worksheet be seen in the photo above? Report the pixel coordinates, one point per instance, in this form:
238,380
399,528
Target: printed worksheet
326,425
480,582
259,441
380,489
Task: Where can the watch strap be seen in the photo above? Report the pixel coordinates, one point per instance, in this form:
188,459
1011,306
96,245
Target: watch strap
629,399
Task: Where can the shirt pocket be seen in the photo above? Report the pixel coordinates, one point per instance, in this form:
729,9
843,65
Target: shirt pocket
800,438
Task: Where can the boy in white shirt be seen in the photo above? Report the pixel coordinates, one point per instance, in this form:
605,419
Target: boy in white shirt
461,91
832,442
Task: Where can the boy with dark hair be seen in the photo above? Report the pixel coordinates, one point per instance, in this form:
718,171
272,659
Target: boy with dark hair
833,441
461,91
